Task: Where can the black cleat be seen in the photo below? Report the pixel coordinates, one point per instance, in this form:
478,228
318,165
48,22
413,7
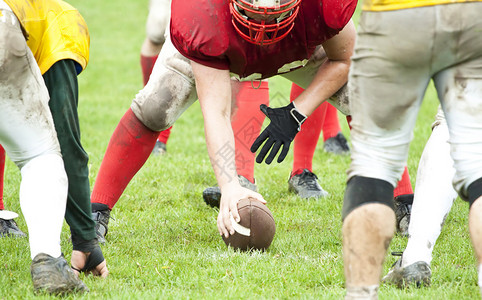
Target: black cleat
403,211
337,145
101,218
306,185
9,228
54,276
212,195
159,149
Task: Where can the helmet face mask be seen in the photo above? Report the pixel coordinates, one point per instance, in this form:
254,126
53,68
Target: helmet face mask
263,22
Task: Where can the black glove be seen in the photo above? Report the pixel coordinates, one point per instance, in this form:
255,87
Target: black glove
285,123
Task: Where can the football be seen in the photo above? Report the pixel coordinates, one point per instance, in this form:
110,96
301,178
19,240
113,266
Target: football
255,230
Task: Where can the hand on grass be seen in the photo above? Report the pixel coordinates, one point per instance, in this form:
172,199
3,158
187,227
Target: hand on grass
79,259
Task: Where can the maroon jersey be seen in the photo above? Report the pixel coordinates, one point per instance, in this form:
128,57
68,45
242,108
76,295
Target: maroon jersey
202,31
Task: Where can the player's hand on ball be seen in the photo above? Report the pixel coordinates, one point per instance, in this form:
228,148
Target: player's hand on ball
230,195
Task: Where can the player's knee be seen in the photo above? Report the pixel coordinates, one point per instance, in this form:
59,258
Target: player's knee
163,101
362,190
156,25
153,114
12,41
156,36
169,92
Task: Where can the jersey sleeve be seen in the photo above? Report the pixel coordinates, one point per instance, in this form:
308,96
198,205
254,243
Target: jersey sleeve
198,34
337,13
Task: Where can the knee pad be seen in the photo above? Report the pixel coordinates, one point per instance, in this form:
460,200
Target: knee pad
474,191
169,92
362,190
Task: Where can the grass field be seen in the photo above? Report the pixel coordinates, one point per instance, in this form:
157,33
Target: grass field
163,241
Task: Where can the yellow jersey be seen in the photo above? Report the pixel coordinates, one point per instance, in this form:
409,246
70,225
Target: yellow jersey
56,31
384,5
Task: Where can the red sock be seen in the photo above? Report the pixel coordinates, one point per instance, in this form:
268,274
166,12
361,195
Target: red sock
306,140
128,149
246,122
404,186
2,170
331,126
164,135
147,64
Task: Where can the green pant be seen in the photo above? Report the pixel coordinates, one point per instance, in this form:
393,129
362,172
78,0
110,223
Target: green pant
61,81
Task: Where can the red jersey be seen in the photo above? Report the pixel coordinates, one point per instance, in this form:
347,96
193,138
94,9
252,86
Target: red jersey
202,31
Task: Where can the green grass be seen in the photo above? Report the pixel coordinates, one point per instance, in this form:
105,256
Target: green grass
163,241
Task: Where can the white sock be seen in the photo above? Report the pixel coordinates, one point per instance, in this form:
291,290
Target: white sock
43,197
433,198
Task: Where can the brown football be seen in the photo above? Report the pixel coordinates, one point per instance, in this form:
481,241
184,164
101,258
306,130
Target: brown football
256,228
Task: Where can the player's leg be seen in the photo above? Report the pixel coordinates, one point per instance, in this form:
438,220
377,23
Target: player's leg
246,121
61,82
403,198
433,198
135,135
460,89
34,148
302,180
333,139
392,85
156,25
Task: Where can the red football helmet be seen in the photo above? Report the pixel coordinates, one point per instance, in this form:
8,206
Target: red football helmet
264,22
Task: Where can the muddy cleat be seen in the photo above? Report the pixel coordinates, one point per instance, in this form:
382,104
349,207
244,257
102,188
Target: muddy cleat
101,218
9,228
54,276
337,145
306,185
403,210
212,195
417,274
159,149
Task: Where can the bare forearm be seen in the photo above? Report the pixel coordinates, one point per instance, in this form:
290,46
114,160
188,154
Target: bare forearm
214,92
220,145
331,76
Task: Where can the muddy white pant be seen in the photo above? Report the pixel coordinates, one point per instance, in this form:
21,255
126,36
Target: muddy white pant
29,138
